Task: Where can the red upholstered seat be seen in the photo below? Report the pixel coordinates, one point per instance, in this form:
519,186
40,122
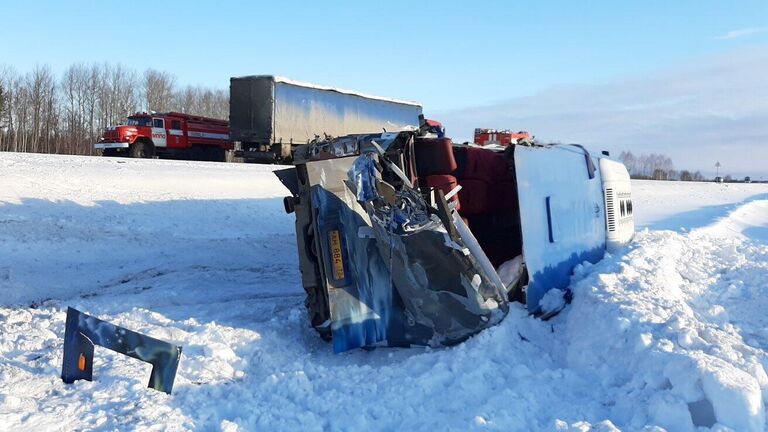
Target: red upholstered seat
485,180
474,196
486,165
445,183
488,195
487,184
506,195
434,156
435,164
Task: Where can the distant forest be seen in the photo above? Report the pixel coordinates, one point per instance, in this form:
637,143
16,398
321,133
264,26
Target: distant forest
658,167
43,113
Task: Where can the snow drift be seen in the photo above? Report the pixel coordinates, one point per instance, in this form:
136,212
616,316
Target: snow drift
668,333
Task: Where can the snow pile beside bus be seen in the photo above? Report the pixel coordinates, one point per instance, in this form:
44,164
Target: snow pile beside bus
677,325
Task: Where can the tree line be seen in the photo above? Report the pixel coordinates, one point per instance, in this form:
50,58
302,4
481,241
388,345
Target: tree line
656,167
43,113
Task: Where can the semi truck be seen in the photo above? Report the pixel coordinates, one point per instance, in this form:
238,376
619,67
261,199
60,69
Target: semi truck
270,116
175,135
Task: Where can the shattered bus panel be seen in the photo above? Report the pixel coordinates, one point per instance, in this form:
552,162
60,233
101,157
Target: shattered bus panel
410,240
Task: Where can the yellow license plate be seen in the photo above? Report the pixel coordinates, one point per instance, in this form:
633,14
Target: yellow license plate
337,258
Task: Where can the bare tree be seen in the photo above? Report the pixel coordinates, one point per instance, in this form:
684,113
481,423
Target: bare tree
202,101
659,174
74,89
9,80
2,101
33,116
629,160
3,110
117,94
44,116
649,166
185,100
158,90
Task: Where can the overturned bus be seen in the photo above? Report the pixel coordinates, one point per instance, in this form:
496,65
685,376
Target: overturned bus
409,239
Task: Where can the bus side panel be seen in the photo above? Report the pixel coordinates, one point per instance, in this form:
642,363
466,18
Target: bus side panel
562,216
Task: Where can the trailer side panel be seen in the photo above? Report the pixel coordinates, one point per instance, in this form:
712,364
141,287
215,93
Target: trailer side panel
303,112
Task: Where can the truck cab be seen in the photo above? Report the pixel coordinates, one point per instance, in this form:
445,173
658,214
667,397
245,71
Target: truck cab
134,138
409,239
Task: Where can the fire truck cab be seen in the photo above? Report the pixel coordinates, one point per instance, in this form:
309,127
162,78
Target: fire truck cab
503,138
174,135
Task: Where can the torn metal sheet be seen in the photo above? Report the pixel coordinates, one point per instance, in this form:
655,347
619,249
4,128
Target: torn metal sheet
444,288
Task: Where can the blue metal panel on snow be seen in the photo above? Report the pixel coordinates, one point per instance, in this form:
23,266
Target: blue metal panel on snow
562,215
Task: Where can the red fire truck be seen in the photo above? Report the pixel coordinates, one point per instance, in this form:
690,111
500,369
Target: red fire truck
499,137
170,134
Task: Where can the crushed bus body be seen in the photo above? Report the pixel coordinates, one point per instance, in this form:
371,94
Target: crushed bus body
408,239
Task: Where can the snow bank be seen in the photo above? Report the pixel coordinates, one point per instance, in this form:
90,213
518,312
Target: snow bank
668,333
676,323
676,205
747,221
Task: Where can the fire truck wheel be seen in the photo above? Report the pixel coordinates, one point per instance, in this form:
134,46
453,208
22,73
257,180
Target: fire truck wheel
215,154
141,150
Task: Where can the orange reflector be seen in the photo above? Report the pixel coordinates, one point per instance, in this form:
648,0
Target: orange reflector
81,362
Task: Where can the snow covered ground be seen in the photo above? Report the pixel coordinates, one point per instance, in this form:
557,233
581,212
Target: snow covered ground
670,332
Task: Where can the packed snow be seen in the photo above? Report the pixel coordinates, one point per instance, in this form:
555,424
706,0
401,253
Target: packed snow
669,333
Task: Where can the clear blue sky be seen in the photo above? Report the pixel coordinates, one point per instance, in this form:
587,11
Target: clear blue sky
446,55
684,78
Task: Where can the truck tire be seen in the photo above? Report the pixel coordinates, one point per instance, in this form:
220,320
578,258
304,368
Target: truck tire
215,154
141,150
